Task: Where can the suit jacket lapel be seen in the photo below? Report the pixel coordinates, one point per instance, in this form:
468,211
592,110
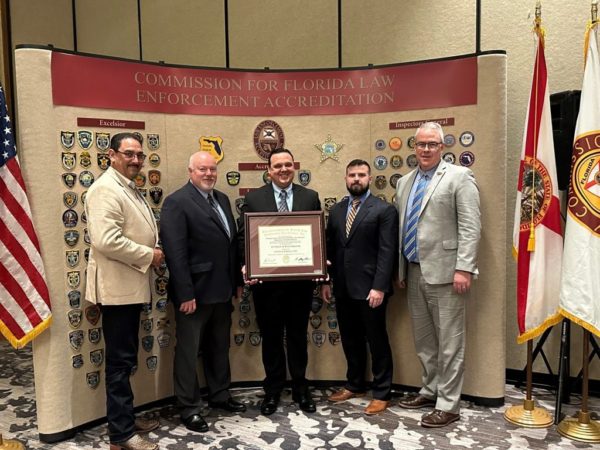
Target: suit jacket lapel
229,217
205,206
139,203
437,177
296,198
270,198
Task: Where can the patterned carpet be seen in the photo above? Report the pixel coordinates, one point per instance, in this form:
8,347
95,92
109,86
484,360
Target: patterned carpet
341,426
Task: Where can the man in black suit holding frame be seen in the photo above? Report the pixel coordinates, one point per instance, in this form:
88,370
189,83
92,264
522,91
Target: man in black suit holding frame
282,307
362,242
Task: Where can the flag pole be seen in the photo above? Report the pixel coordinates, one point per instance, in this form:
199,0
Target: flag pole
528,415
582,428
10,444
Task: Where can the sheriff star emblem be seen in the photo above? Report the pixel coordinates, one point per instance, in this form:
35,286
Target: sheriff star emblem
329,149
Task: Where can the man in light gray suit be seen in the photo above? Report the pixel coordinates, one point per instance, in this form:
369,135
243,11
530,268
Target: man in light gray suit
440,229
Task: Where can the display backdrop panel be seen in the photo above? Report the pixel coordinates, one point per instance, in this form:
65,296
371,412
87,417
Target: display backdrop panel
69,105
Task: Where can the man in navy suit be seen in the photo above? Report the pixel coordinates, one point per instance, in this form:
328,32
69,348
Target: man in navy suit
362,242
283,307
198,235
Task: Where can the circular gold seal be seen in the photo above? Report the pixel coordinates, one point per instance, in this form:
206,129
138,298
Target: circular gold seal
584,191
536,193
268,136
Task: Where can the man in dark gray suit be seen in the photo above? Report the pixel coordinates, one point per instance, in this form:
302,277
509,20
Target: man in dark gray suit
440,228
283,307
198,235
362,245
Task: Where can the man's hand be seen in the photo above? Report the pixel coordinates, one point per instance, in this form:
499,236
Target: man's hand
158,257
400,284
188,307
238,292
375,298
462,281
326,292
323,279
246,280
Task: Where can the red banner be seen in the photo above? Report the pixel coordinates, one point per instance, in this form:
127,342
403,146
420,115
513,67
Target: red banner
110,123
125,85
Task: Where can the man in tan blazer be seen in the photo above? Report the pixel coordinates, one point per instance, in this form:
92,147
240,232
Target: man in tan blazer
439,236
124,239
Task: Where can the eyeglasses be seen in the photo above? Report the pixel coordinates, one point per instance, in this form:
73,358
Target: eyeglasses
130,155
207,169
429,145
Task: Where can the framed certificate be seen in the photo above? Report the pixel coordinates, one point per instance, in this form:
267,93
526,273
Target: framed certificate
285,246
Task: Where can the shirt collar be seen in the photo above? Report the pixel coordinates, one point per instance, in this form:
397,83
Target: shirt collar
277,189
362,198
429,173
204,194
125,180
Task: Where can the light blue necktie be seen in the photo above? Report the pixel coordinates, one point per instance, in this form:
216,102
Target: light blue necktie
410,236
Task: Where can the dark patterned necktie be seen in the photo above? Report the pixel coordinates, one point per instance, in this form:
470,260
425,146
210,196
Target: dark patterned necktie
212,202
283,206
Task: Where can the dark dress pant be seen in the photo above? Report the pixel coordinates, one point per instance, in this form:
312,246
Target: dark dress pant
361,325
205,335
120,325
283,309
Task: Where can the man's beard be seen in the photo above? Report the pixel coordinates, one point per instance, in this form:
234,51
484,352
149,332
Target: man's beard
357,190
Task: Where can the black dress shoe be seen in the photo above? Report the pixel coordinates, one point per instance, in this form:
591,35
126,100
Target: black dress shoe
195,423
305,401
229,405
269,404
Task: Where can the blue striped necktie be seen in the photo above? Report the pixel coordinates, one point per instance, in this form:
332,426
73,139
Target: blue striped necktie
410,235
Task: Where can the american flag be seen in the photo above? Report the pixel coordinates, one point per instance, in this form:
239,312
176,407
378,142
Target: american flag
24,298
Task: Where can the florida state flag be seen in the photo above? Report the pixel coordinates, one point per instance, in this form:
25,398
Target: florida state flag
537,234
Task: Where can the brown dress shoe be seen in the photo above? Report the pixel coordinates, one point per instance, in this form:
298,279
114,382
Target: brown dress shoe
416,402
376,406
343,395
438,419
146,425
135,442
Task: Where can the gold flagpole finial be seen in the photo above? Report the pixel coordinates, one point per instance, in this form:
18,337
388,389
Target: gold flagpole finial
538,12
537,23
594,11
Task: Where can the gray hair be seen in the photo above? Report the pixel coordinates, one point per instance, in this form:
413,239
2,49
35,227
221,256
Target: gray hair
432,126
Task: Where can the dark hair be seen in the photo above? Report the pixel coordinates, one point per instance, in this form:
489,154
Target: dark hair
115,141
278,151
358,162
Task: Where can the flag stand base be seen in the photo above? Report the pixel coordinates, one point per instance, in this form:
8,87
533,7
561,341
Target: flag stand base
10,444
582,429
528,416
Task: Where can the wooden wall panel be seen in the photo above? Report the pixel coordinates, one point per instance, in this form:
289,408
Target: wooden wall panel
283,35
42,22
392,31
109,27
190,32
